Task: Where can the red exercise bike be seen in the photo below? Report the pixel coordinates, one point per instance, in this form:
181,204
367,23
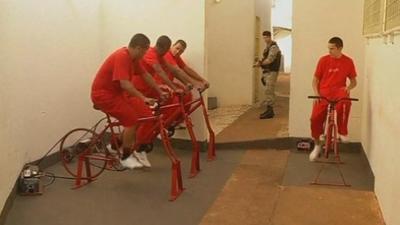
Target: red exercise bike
85,155
331,139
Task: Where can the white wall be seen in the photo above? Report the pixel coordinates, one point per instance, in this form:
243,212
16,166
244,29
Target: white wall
314,24
50,53
230,49
381,123
263,10
282,17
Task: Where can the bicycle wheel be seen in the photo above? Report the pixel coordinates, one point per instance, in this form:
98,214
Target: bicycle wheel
99,126
78,142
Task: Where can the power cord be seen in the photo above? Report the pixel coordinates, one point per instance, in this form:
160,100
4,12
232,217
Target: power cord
50,175
93,128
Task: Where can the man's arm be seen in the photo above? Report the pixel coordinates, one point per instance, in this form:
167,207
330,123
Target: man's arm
272,54
196,76
150,81
164,77
132,91
353,84
189,71
181,75
315,85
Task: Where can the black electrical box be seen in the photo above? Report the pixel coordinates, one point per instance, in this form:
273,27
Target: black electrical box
29,182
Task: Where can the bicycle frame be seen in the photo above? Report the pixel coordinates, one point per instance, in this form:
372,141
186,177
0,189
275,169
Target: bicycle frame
181,108
331,140
193,106
176,176
158,127
331,132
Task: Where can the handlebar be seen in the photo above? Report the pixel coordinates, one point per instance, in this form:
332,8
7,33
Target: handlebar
200,90
333,100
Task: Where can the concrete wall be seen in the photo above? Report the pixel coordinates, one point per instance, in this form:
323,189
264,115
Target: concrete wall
50,52
230,46
282,17
381,122
263,11
314,24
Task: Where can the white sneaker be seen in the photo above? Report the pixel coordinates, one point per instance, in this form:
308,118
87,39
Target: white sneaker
142,157
344,138
322,137
315,153
131,162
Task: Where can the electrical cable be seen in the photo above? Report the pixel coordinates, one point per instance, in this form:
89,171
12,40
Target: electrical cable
52,176
93,128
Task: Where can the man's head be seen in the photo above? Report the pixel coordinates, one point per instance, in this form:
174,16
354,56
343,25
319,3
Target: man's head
178,48
138,45
163,44
335,46
267,36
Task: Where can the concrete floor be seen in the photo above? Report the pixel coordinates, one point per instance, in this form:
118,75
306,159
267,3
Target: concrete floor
246,186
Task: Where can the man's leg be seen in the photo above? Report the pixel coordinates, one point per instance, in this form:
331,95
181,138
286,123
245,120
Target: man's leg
317,120
145,134
128,140
144,129
121,108
343,111
270,83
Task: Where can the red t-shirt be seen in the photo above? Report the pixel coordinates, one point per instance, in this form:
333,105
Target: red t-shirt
151,58
174,61
333,72
118,66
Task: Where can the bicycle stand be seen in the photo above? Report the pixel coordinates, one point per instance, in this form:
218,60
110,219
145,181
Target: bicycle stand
211,155
331,140
186,110
337,162
84,160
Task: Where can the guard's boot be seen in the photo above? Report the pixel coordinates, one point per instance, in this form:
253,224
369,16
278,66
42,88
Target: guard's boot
268,114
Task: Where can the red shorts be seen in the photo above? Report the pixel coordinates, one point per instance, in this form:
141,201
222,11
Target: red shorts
320,109
126,110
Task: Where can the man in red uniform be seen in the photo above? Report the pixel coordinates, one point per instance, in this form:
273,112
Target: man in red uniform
111,86
173,57
163,73
330,81
154,63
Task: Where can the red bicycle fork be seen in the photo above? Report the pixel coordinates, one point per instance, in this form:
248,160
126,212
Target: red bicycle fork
211,155
186,110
